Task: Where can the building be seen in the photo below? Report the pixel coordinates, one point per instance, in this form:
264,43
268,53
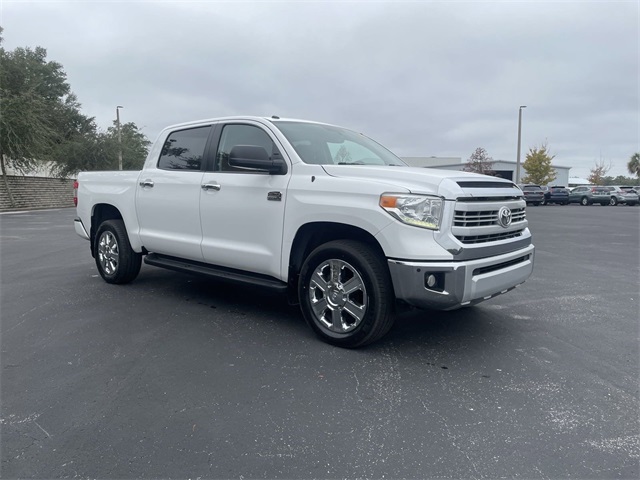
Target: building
577,182
503,168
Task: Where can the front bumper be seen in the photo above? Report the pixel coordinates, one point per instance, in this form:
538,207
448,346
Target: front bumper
460,283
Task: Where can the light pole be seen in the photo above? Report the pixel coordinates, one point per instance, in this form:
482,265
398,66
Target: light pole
120,138
519,136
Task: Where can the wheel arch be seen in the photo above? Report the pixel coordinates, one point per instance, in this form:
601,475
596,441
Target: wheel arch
101,212
311,235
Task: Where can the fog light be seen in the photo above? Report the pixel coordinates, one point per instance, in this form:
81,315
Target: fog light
434,281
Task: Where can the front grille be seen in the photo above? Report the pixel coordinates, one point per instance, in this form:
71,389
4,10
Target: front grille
491,237
484,218
477,223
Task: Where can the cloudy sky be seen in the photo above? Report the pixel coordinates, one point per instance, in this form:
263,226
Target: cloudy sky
423,78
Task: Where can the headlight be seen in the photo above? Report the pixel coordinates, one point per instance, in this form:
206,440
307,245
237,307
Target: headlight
419,210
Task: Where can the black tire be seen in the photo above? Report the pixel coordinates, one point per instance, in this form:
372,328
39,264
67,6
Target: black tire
585,201
359,267
613,202
116,261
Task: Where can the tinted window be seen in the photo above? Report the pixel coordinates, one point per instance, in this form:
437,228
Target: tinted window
184,149
531,188
233,135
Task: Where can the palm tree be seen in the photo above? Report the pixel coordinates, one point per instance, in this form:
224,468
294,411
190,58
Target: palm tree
634,164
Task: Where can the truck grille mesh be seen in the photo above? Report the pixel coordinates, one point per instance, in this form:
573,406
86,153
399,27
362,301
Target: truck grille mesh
479,226
484,218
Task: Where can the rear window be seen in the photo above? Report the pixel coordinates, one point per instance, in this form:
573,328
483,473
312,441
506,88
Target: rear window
183,150
531,188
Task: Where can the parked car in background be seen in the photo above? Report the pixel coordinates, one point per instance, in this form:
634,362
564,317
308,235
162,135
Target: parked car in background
555,194
532,194
589,195
622,196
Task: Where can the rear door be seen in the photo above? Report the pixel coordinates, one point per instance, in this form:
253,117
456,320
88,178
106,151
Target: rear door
168,196
241,210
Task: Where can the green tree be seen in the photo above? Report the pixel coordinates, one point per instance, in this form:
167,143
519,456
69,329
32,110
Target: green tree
135,145
538,166
619,180
634,165
480,162
599,172
33,94
41,121
90,149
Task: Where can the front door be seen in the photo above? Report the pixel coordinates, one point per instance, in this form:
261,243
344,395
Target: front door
242,211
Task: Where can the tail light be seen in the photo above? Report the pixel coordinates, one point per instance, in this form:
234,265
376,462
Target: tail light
75,193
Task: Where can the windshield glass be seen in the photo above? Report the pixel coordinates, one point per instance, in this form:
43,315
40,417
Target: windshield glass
327,145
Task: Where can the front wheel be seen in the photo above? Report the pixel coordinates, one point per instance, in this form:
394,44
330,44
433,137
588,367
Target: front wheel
115,259
346,293
613,202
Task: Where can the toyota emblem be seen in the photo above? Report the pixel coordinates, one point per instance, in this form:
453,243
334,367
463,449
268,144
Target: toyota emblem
504,216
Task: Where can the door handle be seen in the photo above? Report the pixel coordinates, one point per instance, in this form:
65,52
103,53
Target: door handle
147,183
210,186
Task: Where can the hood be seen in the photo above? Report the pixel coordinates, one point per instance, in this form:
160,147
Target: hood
450,184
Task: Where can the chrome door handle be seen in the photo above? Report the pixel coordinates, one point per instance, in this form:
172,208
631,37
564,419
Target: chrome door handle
210,186
147,183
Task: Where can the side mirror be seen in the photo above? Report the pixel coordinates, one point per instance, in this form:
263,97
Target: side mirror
255,157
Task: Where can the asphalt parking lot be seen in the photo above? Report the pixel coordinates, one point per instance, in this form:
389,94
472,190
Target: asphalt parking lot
179,377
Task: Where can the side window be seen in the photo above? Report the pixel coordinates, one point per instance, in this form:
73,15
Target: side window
233,135
184,149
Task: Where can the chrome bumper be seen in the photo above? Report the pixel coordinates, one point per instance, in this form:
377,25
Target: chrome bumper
460,283
80,230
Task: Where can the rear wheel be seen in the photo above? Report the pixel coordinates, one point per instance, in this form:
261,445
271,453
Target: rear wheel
115,259
613,202
346,293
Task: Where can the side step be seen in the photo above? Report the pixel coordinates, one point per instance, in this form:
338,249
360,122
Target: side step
220,273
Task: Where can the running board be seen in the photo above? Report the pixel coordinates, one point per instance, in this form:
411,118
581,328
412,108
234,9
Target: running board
220,273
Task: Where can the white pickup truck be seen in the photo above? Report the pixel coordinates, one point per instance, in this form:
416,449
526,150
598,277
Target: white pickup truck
320,212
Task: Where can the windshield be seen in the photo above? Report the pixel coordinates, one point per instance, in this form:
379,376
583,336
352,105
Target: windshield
327,145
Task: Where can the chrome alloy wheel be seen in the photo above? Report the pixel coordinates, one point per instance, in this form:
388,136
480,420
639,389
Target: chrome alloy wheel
108,253
338,296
